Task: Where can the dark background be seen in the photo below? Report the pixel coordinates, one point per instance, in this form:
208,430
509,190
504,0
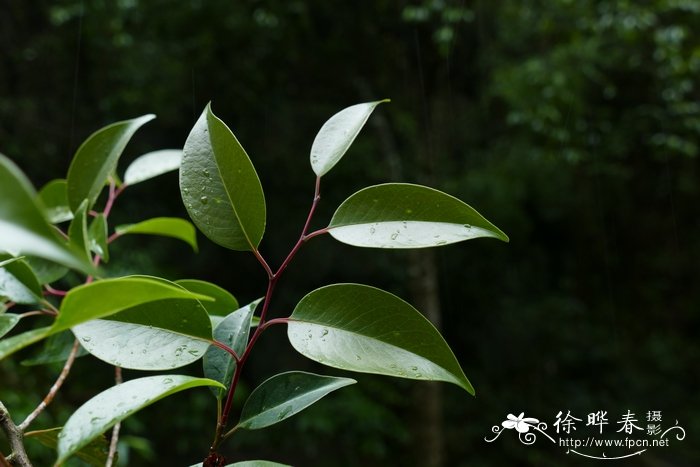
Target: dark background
573,125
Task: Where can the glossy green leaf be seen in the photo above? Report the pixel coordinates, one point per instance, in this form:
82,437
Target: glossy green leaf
117,403
56,348
46,271
157,335
78,231
97,158
337,134
233,331
360,328
284,395
54,196
110,296
219,186
17,281
97,234
152,164
16,343
23,228
7,322
401,215
94,453
223,304
165,226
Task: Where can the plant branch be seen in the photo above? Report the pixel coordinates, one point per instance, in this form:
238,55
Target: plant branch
37,312
272,281
54,389
115,431
3,461
15,438
51,291
228,349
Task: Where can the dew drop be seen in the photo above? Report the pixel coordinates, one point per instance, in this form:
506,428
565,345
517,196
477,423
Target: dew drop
204,200
87,339
414,368
357,357
418,375
186,190
168,381
324,333
394,235
372,230
467,226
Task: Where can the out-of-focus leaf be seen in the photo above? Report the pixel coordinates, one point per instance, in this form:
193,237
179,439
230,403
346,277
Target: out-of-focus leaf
165,226
98,237
152,164
78,230
94,453
7,322
46,271
223,304
56,348
54,197
23,228
17,281
97,158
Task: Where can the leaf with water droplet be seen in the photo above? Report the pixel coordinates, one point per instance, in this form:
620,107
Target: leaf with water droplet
233,331
337,134
272,401
117,403
213,157
401,215
391,337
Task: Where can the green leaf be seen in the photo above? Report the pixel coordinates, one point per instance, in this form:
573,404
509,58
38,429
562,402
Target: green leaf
97,158
219,186
223,304
56,348
117,403
166,226
46,271
233,331
360,328
337,134
7,322
17,281
110,296
98,237
152,164
158,335
401,215
54,196
16,343
78,231
284,395
23,228
94,453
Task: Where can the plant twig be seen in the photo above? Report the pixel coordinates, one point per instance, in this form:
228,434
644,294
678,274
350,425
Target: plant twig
115,431
3,461
54,389
15,438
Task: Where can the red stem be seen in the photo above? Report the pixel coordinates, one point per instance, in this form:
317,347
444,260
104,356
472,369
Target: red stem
51,291
272,281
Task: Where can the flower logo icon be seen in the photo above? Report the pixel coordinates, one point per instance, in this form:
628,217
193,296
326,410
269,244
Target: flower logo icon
521,424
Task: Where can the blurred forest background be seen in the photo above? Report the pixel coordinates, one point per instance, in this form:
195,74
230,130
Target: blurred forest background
573,125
